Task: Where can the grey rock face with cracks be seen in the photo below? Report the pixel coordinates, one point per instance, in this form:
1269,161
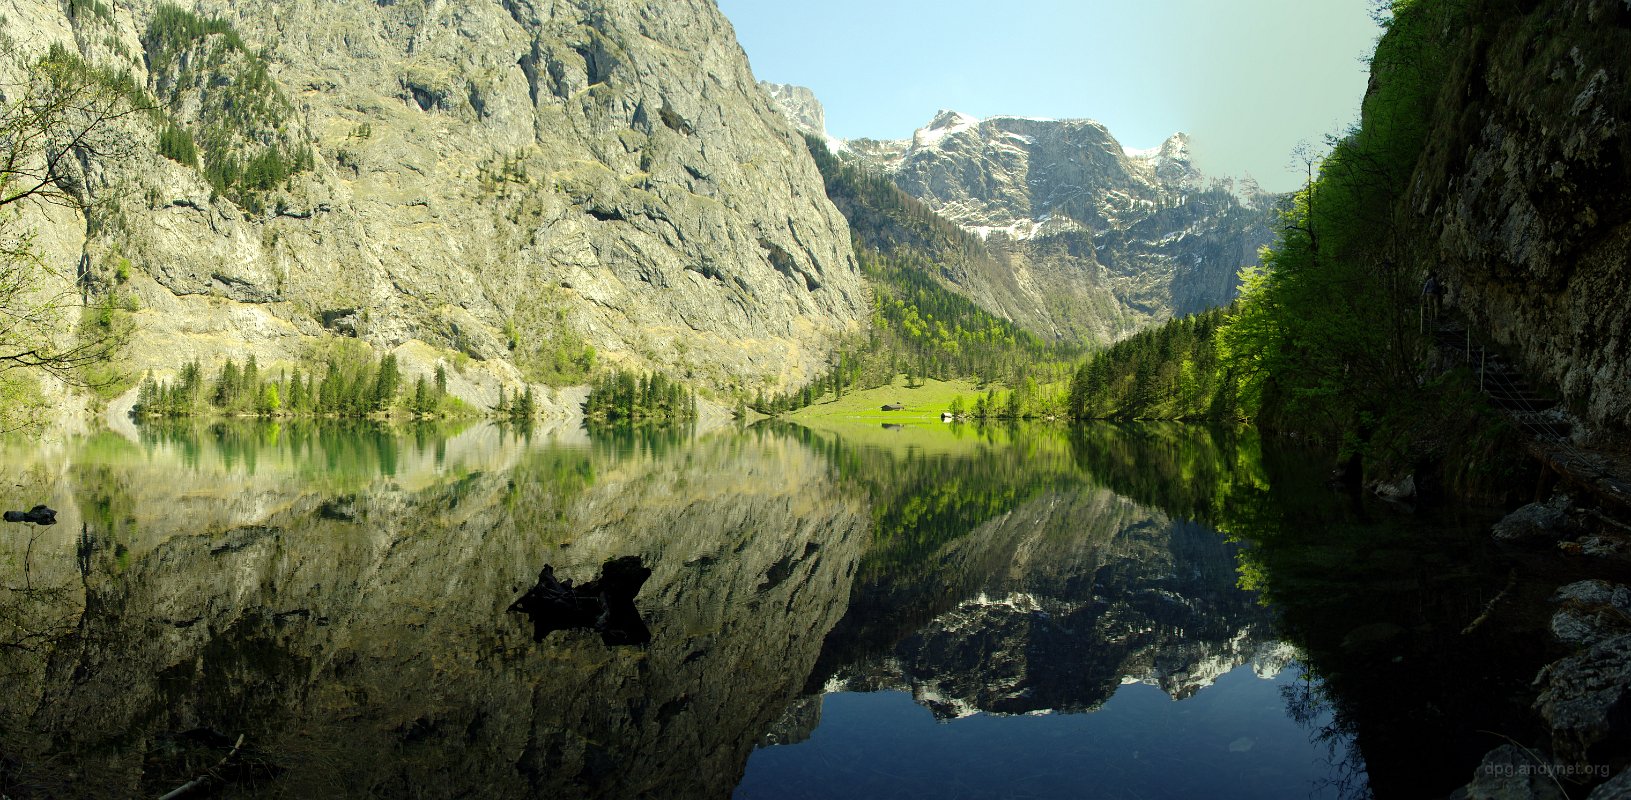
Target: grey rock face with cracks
486,176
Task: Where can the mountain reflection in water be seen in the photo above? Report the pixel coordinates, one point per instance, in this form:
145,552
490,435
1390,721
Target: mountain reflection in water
338,597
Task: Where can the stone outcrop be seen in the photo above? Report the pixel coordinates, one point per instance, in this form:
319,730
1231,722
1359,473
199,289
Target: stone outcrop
1591,611
488,182
1548,521
1511,773
1584,701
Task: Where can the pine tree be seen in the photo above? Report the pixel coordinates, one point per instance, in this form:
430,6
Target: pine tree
226,386
297,394
249,381
387,382
422,403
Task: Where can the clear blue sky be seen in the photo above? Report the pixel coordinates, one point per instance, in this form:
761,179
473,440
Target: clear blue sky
1246,79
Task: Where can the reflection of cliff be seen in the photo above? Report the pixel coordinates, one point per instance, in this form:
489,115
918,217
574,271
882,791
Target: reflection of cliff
1050,607
360,641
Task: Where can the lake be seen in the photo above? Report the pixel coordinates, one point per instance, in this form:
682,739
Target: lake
306,610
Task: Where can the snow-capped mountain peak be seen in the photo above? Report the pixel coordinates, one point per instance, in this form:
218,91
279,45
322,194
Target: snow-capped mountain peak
945,123
1088,239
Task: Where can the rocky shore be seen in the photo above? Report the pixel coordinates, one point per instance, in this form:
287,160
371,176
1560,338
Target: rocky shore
1583,700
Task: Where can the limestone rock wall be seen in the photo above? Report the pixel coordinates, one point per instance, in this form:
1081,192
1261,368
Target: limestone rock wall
486,177
1098,240
1522,195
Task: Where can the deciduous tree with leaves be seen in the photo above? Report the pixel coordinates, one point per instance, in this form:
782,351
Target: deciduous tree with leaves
58,120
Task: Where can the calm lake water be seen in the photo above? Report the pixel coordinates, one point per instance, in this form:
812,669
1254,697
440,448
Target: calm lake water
856,612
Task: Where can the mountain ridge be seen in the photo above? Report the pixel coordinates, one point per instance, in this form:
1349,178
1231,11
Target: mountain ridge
1088,241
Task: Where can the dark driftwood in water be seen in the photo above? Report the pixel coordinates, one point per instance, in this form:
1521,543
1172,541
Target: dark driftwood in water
605,604
39,515
205,778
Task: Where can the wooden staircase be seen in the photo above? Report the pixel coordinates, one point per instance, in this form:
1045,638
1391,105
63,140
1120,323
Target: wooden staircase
1500,380
1605,474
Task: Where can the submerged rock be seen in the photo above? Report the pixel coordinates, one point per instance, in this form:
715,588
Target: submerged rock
1601,546
604,605
1616,789
1401,489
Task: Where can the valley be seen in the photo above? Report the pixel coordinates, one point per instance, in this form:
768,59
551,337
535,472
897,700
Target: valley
330,331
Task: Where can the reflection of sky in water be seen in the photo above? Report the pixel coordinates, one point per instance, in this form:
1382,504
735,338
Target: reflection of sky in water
1230,740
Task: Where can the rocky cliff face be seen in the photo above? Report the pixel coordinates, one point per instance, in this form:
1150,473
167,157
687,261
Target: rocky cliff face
1521,196
502,180
1089,240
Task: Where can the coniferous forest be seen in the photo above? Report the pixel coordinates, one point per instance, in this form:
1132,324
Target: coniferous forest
624,397
345,384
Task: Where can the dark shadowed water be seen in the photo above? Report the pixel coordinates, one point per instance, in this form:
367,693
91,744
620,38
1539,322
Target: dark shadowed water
324,611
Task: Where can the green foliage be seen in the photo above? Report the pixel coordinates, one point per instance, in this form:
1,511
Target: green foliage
543,345
520,408
922,501
943,334
559,358
173,30
885,219
1169,372
1325,337
242,128
77,9
1192,472
494,175
345,382
21,399
624,397
104,327
1326,333
387,383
